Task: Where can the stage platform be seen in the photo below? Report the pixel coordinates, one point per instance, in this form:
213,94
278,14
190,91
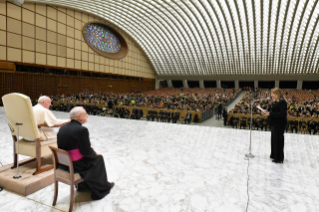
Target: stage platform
161,167
28,183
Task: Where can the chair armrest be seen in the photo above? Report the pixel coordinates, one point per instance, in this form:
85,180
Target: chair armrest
58,125
42,125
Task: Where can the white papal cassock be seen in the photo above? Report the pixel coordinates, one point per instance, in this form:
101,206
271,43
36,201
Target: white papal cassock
45,116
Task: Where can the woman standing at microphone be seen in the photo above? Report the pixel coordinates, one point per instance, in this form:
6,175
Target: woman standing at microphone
278,122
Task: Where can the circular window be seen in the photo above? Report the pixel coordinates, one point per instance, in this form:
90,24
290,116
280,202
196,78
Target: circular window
104,40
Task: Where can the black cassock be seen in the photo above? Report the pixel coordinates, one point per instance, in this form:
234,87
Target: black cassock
278,122
91,167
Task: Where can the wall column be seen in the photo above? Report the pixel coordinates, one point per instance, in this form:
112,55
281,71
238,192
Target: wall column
276,83
185,85
236,84
256,83
169,83
218,83
299,84
201,84
157,84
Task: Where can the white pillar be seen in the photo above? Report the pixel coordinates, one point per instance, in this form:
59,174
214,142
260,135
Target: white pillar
185,85
236,84
276,83
169,83
218,82
201,84
299,84
256,83
157,84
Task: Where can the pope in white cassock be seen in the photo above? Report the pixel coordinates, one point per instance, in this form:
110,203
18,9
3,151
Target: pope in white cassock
46,119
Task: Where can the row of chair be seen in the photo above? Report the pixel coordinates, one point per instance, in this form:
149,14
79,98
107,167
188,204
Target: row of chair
105,111
235,120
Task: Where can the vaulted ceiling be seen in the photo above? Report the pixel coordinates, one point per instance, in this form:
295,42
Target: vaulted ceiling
211,37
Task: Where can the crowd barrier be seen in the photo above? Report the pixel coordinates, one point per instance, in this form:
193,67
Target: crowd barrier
207,114
182,112
145,110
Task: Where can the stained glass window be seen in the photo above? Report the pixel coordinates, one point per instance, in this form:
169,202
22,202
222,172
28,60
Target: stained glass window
102,38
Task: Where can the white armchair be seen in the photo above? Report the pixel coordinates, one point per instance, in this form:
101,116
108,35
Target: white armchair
18,109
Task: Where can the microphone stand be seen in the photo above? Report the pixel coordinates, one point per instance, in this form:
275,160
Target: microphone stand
249,155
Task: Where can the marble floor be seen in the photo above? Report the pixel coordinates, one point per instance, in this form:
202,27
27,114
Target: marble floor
161,167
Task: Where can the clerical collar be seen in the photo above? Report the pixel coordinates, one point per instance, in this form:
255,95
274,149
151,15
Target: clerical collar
76,121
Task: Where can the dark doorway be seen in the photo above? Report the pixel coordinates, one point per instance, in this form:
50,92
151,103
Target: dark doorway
266,84
193,84
210,84
288,84
228,84
314,85
163,84
177,83
244,84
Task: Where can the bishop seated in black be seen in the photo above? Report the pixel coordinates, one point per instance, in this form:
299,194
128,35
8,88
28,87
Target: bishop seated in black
74,138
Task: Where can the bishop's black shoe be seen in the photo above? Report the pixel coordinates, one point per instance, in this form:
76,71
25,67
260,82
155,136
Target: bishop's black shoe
112,185
277,161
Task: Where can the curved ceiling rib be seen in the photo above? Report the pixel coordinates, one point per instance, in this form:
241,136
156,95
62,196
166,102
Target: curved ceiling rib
213,37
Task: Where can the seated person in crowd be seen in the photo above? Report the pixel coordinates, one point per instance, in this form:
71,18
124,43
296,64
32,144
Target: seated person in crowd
149,115
264,123
117,112
103,112
164,116
176,116
133,115
188,117
312,125
154,115
258,122
69,106
126,113
61,107
75,139
294,125
235,121
170,115
243,121
303,126
160,115
122,112
94,109
46,119
139,113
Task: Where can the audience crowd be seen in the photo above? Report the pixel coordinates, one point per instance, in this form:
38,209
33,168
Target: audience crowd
176,99
301,105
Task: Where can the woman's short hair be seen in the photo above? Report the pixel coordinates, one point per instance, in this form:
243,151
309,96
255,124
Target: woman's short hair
278,92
